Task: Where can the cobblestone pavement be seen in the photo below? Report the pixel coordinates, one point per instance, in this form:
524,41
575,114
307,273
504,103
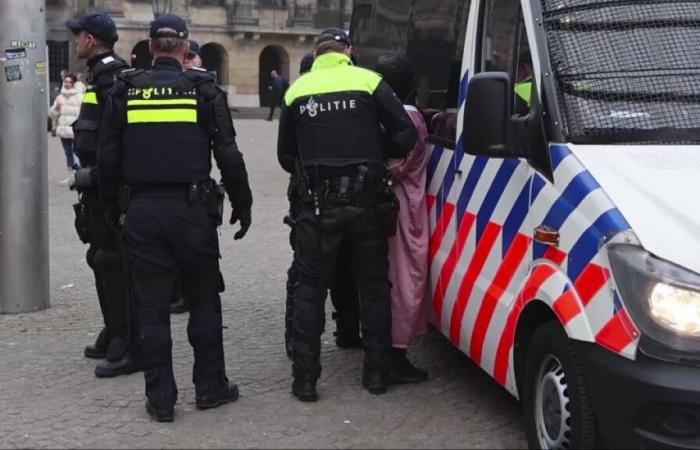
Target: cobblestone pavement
49,396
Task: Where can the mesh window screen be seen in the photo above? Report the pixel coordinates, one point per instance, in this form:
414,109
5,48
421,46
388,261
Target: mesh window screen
626,71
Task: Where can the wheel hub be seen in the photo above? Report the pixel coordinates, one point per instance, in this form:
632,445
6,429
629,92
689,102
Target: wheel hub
552,414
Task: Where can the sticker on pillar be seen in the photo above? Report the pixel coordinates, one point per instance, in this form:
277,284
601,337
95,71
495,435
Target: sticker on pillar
15,53
41,68
12,73
27,44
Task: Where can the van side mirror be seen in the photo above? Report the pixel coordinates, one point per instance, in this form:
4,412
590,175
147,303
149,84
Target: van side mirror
490,129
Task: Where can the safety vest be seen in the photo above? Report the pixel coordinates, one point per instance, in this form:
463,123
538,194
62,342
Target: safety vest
523,89
166,139
100,79
335,115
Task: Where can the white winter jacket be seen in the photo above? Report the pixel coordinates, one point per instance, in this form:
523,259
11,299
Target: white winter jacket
70,100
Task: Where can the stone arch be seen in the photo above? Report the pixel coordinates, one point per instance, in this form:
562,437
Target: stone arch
272,57
215,60
140,56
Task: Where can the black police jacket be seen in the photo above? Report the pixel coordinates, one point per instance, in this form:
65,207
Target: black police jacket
160,128
339,115
102,72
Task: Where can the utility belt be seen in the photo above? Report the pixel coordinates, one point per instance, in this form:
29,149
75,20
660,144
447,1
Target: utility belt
369,186
206,193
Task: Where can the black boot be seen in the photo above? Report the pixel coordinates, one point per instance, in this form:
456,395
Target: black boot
374,380
164,414
304,388
211,398
98,350
402,371
126,365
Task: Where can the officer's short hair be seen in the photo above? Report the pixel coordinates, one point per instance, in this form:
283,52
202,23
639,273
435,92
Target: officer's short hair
167,44
331,46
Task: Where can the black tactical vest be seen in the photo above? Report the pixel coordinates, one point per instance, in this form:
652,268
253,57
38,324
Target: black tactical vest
166,140
100,79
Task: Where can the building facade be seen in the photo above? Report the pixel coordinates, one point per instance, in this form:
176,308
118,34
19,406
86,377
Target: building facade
241,41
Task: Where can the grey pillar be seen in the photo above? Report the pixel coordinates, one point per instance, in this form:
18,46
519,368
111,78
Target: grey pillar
24,230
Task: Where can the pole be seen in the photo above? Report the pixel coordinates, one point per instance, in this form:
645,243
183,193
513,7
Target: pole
24,231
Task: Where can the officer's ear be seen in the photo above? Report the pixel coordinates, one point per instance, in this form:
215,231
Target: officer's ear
150,46
186,48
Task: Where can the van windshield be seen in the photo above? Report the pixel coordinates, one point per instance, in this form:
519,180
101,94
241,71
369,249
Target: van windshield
626,72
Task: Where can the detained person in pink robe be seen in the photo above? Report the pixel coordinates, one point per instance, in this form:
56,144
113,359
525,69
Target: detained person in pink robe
408,249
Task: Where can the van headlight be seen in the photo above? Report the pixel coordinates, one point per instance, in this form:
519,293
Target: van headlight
663,300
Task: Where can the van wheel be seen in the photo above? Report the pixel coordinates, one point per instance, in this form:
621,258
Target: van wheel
558,408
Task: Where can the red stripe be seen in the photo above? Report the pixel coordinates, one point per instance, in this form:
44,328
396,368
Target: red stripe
566,307
514,257
440,228
430,199
617,333
555,255
591,280
538,277
450,264
481,253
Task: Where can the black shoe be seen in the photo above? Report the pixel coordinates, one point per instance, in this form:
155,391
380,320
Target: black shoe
179,307
402,371
98,350
374,380
269,119
160,414
124,366
226,394
304,388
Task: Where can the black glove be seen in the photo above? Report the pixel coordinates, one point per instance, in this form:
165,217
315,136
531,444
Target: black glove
112,216
245,218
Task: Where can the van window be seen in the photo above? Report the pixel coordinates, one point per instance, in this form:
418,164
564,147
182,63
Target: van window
626,72
431,33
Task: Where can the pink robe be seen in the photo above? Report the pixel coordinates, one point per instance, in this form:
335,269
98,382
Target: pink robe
408,249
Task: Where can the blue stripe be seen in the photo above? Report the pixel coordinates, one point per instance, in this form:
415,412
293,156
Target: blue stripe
433,162
464,83
448,180
589,243
503,176
517,216
537,184
470,183
558,153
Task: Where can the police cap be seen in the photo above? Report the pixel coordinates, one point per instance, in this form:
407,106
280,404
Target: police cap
334,34
98,24
168,25
194,49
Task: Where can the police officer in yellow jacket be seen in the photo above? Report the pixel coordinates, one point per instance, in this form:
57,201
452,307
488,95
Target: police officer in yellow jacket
338,125
159,132
95,35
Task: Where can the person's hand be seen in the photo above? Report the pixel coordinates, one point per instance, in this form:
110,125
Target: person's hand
245,219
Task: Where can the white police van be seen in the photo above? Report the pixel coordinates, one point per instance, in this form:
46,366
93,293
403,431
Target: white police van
565,221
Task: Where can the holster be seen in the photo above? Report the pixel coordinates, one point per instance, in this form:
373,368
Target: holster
387,209
208,193
82,226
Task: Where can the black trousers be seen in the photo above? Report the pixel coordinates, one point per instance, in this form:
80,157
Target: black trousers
317,241
167,237
105,257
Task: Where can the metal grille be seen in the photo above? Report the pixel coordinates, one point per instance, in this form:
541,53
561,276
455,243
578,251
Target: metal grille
626,71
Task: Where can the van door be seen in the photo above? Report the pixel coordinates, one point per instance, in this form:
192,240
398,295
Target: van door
493,201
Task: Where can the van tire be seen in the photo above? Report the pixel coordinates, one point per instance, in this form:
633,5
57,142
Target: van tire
556,397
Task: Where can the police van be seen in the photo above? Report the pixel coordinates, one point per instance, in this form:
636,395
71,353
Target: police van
563,187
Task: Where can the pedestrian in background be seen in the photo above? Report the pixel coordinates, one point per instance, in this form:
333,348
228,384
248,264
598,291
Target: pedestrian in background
64,112
193,58
278,86
170,211
408,249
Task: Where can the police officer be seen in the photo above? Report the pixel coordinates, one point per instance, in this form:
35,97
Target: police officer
338,125
160,130
95,35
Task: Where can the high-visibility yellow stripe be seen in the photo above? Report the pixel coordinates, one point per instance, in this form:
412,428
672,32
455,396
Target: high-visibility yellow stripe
174,101
162,115
90,97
